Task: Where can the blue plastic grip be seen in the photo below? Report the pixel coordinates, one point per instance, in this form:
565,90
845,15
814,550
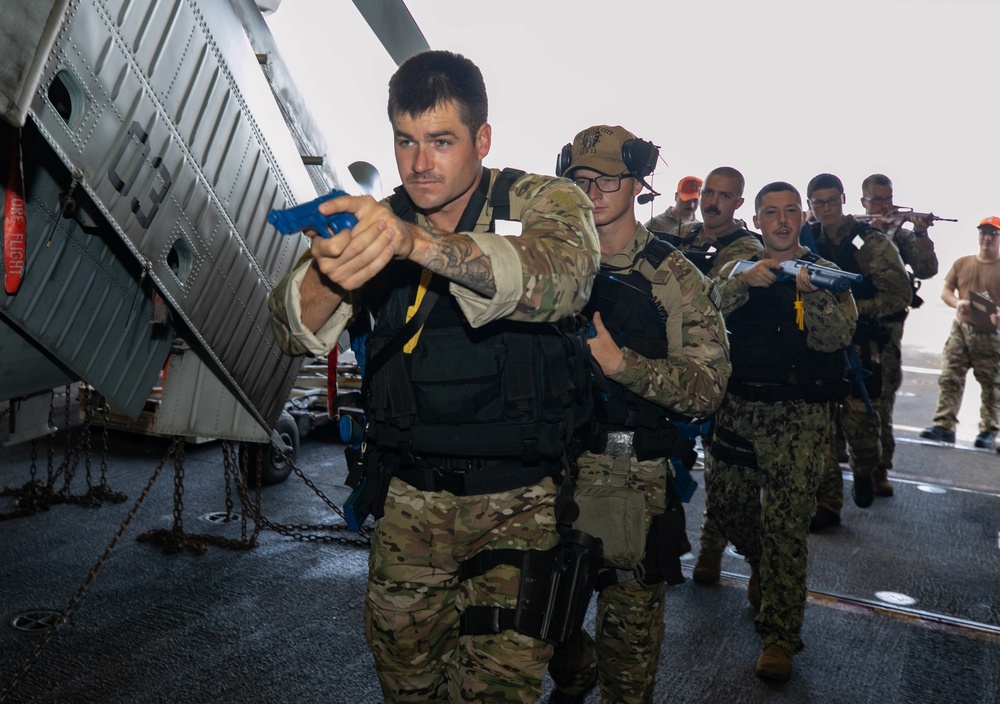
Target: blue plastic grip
307,217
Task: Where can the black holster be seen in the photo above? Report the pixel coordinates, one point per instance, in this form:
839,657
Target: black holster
665,543
555,589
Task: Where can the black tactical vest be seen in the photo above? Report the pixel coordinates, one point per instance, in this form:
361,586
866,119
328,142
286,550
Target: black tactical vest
505,390
845,255
703,256
635,320
767,347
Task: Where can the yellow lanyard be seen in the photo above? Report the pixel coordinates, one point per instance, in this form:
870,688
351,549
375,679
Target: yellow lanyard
800,312
425,280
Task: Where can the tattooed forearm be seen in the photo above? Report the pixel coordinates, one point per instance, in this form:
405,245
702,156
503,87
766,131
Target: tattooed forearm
459,258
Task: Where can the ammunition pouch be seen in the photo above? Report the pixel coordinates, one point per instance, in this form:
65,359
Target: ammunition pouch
666,542
617,516
554,591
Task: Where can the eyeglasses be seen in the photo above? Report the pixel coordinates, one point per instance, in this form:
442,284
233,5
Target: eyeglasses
878,200
828,203
605,184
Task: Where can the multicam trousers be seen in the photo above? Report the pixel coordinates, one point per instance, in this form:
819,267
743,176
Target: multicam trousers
766,461
626,648
415,601
969,348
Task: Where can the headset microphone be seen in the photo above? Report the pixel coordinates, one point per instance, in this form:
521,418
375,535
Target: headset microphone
646,197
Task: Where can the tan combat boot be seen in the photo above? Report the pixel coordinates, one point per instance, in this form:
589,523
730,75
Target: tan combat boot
775,663
708,568
882,485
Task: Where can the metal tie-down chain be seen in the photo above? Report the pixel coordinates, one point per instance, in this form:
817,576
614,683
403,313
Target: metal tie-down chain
35,496
88,580
296,531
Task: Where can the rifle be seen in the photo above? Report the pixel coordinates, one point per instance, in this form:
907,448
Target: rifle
820,276
900,215
308,217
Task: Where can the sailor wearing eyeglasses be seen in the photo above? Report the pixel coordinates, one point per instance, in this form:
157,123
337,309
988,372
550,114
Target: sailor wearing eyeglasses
661,342
884,293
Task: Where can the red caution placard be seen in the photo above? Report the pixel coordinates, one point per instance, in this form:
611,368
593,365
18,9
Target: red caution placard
14,223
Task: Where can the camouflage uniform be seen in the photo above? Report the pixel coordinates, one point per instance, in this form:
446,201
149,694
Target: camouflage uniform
880,264
968,346
694,239
414,599
774,448
923,263
691,381
667,222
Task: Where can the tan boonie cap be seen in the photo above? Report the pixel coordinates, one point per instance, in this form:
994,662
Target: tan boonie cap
600,148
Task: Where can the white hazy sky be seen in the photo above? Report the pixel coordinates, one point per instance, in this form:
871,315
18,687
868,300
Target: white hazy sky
780,90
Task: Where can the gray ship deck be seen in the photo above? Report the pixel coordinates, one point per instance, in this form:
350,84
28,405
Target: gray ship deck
282,622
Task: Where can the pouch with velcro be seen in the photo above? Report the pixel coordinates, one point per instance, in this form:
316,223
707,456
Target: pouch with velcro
616,515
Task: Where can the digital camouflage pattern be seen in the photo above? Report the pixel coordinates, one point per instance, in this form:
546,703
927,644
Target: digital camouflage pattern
788,439
543,275
979,350
829,319
414,601
741,248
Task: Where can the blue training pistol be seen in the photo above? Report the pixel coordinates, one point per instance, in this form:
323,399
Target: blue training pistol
307,217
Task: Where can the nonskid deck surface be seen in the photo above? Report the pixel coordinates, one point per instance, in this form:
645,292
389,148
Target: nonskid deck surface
902,608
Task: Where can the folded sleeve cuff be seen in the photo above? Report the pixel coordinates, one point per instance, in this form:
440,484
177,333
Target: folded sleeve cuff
507,277
324,339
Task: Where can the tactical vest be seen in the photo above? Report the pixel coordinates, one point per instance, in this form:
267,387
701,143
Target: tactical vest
700,256
845,255
635,320
767,347
506,390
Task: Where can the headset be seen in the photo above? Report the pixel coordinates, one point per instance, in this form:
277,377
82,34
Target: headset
639,156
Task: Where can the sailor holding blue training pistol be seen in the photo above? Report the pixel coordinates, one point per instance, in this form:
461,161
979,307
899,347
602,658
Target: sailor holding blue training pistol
477,375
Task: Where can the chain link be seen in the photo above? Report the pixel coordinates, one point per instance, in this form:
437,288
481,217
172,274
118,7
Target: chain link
88,580
173,540
34,496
